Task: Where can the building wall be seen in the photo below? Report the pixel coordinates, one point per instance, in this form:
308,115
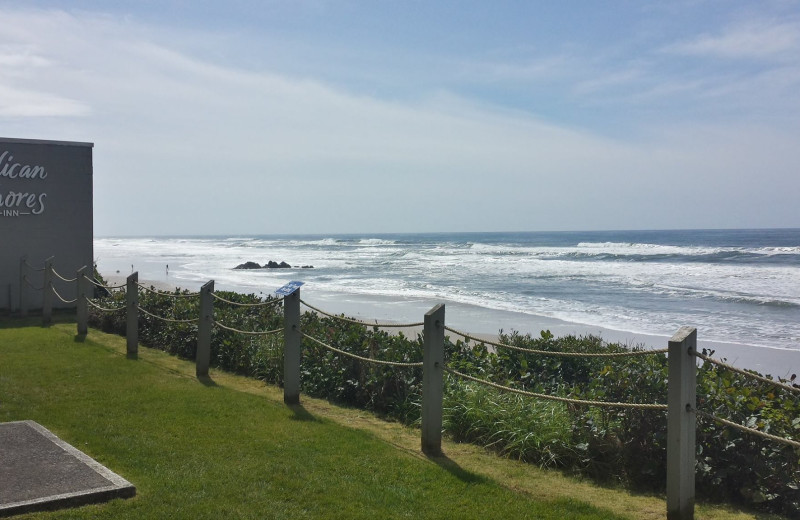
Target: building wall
45,210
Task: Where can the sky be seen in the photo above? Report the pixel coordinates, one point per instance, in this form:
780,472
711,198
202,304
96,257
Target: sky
316,117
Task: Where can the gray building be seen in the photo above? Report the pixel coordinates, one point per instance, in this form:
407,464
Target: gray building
45,211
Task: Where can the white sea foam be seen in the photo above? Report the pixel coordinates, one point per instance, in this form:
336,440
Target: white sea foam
631,286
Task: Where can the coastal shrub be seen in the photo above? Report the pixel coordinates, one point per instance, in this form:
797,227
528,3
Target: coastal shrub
387,390
613,445
254,356
534,431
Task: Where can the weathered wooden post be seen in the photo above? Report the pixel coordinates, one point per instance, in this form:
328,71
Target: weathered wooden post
23,304
203,356
292,345
81,306
47,292
132,306
681,424
432,381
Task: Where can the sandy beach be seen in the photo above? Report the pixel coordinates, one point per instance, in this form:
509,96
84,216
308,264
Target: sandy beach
486,323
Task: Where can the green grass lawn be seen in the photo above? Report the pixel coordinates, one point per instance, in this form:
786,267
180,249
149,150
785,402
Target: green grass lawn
230,448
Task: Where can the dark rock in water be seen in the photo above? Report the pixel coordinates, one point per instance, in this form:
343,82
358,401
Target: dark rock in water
307,267
248,265
269,265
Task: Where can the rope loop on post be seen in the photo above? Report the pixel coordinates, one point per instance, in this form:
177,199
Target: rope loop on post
606,404
556,353
361,358
359,322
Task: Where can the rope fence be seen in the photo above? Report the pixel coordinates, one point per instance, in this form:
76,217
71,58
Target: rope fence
108,287
29,284
557,353
359,322
170,320
248,332
104,309
748,374
607,404
752,431
361,358
168,293
29,266
68,280
260,304
61,297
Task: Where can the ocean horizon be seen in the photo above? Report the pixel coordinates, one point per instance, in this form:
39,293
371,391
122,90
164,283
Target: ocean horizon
739,287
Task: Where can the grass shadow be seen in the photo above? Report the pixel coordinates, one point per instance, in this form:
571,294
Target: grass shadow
301,414
452,467
34,319
80,338
206,381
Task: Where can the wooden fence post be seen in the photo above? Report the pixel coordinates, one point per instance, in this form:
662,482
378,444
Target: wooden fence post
47,292
292,343
203,355
681,424
132,305
23,303
432,381
81,307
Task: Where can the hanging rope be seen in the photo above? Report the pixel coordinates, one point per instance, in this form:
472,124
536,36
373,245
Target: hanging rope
745,429
359,322
193,320
167,293
251,333
748,374
260,304
28,282
606,404
109,287
104,309
29,266
361,358
563,354
68,280
61,297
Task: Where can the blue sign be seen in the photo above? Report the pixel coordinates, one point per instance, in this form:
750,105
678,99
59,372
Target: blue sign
288,289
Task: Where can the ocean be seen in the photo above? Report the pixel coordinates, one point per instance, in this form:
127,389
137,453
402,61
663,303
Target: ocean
736,286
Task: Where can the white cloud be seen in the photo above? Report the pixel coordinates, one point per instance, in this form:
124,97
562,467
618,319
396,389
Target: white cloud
751,40
30,103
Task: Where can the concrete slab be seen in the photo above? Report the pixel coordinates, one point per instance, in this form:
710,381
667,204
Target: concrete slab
39,471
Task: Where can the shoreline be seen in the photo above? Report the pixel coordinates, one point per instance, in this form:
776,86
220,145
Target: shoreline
487,323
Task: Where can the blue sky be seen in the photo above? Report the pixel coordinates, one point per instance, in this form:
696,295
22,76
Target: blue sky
365,117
